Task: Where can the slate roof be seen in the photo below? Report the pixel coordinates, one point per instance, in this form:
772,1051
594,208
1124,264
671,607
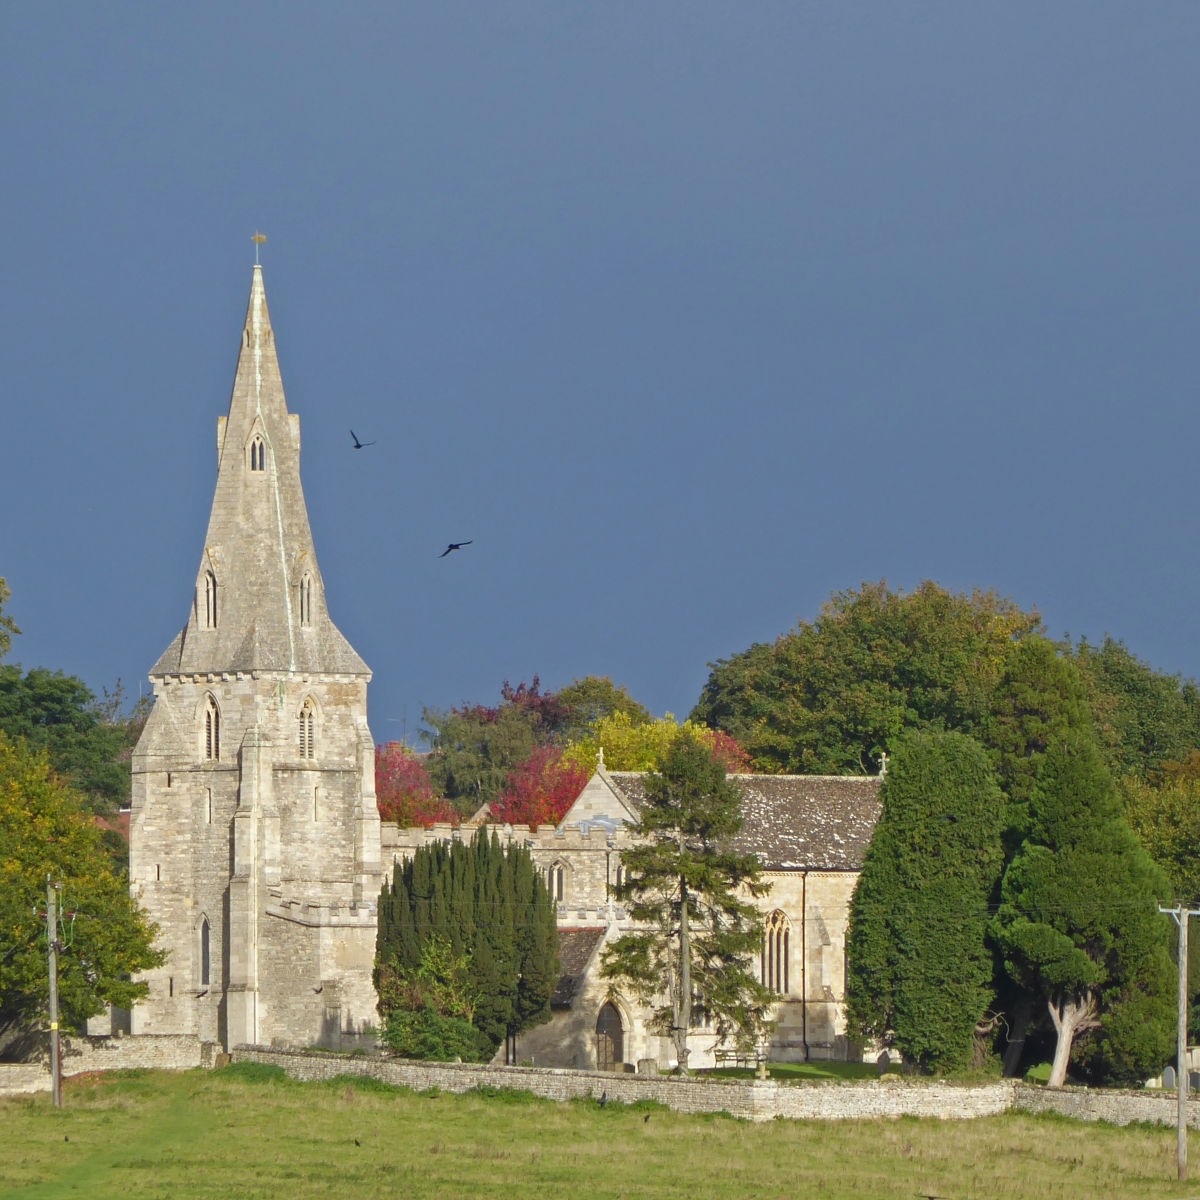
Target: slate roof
575,950
795,822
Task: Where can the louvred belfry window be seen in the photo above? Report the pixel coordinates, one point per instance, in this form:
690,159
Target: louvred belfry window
212,730
258,453
307,727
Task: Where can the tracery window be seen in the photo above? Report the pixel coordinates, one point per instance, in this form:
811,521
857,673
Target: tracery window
307,727
776,938
558,882
212,730
258,453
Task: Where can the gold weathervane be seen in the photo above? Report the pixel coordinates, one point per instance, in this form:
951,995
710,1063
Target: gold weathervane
258,239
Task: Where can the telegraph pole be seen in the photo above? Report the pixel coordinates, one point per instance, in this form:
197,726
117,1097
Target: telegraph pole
1181,915
52,940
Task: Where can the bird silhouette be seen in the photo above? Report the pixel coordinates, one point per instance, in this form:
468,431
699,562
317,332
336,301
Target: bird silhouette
646,1119
357,444
453,546
320,989
603,1099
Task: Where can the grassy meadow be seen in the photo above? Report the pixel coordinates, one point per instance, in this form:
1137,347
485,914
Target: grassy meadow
246,1132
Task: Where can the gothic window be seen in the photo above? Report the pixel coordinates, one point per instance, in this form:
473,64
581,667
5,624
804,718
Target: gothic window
558,882
205,955
212,730
258,453
210,600
620,876
307,725
776,936
306,590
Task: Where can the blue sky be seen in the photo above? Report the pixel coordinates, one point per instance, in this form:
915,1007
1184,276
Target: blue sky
686,314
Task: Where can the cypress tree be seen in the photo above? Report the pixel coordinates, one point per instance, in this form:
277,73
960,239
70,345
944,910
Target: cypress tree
480,904
918,970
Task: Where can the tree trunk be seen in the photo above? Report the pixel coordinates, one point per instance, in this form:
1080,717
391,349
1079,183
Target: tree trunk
1071,1015
683,1020
1022,1011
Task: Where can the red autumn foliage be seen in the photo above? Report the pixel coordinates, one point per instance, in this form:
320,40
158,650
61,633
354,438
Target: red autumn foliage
403,791
540,790
729,752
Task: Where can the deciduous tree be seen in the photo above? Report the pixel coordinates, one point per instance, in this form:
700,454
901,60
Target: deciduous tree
833,694
47,832
690,897
403,790
918,970
540,790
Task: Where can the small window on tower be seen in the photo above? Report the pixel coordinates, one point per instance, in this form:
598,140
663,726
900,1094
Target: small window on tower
212,730
205,954
307,722
258,453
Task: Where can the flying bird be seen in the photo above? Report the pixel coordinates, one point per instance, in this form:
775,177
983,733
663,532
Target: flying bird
357,444
453,546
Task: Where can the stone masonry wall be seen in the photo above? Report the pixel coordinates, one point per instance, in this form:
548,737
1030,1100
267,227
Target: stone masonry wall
752,1100
166,1052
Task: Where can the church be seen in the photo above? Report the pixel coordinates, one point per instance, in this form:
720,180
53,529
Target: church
254,834
256,845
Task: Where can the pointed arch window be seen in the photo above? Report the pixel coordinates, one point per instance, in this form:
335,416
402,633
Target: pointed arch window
210,600
306,593
205,953
258,453
776,943
308,714
212,730
558,882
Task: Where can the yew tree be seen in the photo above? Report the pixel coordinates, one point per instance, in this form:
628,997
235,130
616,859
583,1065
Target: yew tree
919,971
1078,923
691,897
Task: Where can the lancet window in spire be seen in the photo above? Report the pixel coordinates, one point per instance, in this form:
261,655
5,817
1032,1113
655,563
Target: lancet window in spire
306,591
258,453
212,730
307,729
210,600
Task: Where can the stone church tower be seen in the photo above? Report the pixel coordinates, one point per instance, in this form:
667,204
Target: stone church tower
254,838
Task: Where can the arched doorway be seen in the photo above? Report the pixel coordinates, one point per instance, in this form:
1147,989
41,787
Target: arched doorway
610,1039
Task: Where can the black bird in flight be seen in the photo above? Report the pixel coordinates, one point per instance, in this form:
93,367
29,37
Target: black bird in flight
357,444
453,546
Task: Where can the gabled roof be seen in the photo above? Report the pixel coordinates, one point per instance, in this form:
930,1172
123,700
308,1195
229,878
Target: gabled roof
795,822
575,950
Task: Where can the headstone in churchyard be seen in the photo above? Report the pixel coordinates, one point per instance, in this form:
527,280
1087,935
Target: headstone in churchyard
1168,1077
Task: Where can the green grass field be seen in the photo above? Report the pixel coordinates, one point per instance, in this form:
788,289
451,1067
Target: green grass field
247,1132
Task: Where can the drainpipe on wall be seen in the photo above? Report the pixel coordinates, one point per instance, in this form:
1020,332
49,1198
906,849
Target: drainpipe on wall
804,961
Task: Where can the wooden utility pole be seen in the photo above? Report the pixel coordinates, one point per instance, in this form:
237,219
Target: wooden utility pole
1181,915
52,941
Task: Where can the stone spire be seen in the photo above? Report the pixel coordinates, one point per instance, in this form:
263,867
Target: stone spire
259,603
